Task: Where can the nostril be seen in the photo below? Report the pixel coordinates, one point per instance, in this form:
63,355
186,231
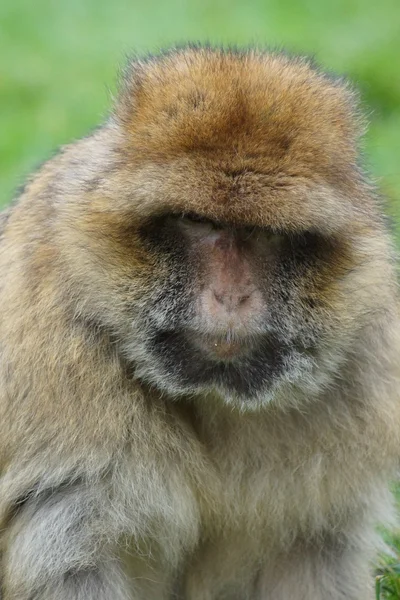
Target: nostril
231,300
243,299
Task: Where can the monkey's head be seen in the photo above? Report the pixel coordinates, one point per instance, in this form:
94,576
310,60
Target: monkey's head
235,247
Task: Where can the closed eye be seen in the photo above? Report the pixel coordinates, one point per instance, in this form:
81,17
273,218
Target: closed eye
192,217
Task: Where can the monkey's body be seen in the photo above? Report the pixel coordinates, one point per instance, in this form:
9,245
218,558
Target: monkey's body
256,538
199,407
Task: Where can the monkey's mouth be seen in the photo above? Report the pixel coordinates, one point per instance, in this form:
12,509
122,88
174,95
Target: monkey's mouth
221,348
240,367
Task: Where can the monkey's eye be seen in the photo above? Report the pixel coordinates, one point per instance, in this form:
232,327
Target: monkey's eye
194,218
261,234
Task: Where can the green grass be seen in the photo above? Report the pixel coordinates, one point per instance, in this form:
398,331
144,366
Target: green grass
58,65
388,568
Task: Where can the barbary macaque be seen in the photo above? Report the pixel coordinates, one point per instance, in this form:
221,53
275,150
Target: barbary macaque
200,345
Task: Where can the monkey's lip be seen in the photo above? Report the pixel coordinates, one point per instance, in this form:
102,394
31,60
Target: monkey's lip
219,348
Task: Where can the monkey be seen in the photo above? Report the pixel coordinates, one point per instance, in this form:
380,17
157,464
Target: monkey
199,369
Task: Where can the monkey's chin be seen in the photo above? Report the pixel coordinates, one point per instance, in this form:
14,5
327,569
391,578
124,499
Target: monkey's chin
245,377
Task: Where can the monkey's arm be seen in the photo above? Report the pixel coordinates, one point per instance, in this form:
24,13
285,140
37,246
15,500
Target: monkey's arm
61,544
114,534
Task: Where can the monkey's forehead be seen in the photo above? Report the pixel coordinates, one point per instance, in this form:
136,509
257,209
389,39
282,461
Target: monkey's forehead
249,103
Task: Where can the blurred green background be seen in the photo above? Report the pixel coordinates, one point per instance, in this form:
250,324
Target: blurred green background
59,61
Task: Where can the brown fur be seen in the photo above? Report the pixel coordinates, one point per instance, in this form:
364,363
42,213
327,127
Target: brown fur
111,490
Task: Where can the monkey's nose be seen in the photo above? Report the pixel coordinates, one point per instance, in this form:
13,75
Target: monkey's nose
232,301
226,307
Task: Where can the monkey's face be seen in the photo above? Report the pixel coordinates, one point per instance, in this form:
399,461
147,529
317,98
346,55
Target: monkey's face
250,254
232,309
